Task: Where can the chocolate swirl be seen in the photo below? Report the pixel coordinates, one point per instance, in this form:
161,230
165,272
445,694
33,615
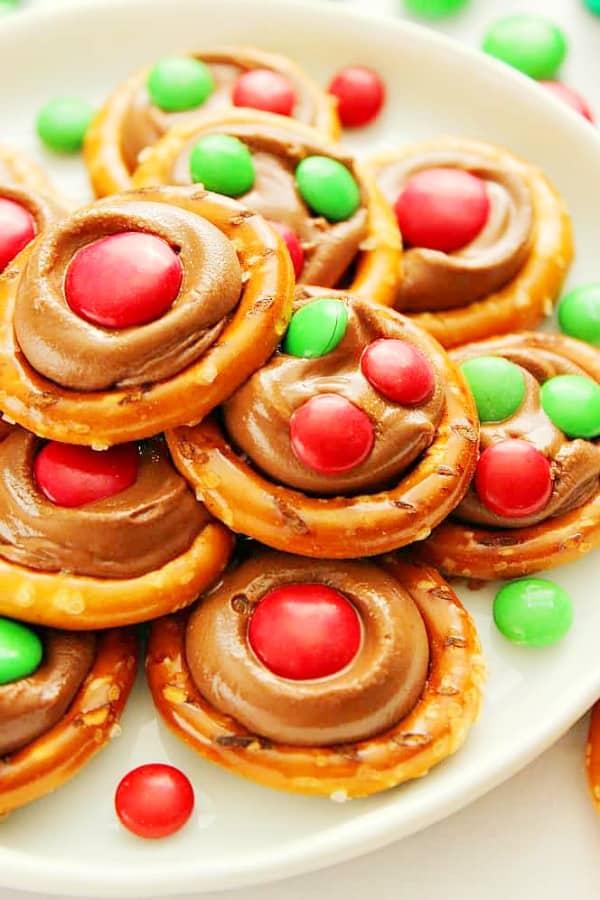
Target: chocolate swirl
329,247
32,706
433,280
377,689
144,123
43,209
133,532
258,415
81,356
575,464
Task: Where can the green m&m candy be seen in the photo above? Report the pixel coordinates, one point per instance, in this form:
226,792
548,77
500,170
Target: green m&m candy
62,123
533,611
434,9
497,385
579,313
222,163
20,651
530,43
572,403
328,187
178,83
316,329
593,6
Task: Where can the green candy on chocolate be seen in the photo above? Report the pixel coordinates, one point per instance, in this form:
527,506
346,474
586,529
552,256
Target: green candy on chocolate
223,164
497,385
20,651
572,403
434,9
62,123
579,314
328,187
533,612
316,329
179,83
530,43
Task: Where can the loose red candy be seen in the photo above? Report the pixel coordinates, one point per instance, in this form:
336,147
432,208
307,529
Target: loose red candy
72,476
303,631
570,97
398,371
513,479
123,280
265,89
360,93
293,244
442,209
331,435
17,228
154,800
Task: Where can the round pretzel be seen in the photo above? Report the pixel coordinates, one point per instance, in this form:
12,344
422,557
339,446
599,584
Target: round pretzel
18,170
102,418
471,551
89,723
103,154
529,296
434,729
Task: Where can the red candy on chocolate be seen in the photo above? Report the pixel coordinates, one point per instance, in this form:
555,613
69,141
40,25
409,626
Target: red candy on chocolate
265,89
293,244
154,800
442,209
331,435
303,631
570,97
17,229
360,93
398,371
513,479
123,280
72,476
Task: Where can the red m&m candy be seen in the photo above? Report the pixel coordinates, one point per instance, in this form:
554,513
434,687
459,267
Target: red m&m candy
72,476
17,229
154,800
360,93
513,479
331,435
570,97
265,89
123,280
290,239
399,371
304,631
442,209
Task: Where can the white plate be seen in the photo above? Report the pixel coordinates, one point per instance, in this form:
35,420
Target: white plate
240,833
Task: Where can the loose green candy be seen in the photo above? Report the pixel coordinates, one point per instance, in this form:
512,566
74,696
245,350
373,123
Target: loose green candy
434,9
530,43
572,402
497,385
533,611
593,6
316,329
222,163
20,651
328,187
579,313
178,83
62,123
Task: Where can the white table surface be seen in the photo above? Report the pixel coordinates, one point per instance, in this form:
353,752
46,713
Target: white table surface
537,835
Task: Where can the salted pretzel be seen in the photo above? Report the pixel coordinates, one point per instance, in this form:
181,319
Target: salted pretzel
483,257
53,721
129,121
356,438
139,312
382,686
357,245
95,539
593,756
541,507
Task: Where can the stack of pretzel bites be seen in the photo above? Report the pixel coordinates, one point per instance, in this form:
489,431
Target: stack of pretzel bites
266,396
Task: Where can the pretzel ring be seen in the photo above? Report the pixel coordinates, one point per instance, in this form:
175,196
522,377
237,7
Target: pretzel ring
109,169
